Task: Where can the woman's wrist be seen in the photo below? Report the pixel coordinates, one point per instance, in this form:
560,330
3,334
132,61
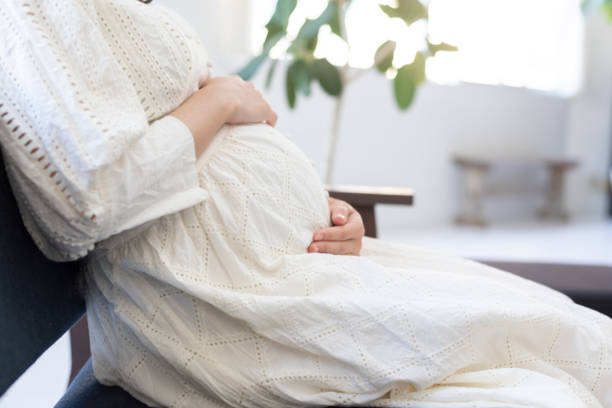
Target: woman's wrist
204,113
222,100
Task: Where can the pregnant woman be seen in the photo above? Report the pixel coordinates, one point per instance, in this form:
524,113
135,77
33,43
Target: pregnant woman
203,286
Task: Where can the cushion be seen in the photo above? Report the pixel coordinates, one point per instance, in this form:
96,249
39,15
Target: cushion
86,392
39,299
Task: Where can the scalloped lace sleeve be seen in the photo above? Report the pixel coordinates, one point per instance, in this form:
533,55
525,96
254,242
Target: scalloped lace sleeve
84,160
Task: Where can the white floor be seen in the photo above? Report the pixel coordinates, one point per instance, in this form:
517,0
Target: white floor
585,242
43,384
581,242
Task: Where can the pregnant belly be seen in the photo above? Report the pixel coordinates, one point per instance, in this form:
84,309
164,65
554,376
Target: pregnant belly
266,199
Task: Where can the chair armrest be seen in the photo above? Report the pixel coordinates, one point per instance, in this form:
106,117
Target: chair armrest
363,199
366,196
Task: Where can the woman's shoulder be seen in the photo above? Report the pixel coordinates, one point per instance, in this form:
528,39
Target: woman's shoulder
161,57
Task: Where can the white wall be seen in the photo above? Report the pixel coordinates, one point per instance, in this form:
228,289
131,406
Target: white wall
224,25
381,146
589,125
45,382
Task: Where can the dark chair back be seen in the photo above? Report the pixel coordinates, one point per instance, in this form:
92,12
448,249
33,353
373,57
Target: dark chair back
39,299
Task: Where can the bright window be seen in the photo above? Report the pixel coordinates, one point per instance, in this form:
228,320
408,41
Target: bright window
522,43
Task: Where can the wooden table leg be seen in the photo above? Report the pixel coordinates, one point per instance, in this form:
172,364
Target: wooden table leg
369,219
79,346
364,199
554,208
473,190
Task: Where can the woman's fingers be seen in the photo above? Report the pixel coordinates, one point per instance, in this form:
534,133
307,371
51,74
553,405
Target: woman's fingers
272,117
346,234
248,105
351,247
339,211
353,229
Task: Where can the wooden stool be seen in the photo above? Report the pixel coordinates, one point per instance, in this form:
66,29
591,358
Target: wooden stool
475,171
554,208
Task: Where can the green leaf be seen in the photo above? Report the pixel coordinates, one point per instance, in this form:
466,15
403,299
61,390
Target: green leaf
271,72
434,48
335,24
404,87
307,35
384,56
607,9
300,76
280,19
418,68
311,28
592,6
251,68
328,76
390,11
282,12
408,10
290,88
268,45
311,45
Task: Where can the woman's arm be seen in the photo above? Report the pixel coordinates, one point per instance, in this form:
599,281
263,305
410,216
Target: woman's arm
222,100
232,100
85,161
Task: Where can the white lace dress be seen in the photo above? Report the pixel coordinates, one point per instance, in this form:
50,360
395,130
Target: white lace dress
220,304
217,303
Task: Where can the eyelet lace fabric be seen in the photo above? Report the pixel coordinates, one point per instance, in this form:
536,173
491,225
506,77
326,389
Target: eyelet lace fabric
200,290
86,86
220,306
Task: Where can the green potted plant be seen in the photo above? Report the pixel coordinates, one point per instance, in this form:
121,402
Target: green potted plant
604,6
304,68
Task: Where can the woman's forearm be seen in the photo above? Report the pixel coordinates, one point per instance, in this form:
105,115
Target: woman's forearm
204,114
222,100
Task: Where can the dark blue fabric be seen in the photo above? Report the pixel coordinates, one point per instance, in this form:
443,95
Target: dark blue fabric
86,392
602,302
39,299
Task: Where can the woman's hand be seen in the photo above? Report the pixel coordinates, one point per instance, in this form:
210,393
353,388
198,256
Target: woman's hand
247,103
345,237
222,100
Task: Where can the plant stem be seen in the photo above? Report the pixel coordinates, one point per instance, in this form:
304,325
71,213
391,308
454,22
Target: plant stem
333,139
335,128
361,72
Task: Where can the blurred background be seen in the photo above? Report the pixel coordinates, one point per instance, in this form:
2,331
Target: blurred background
507,144
531,83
